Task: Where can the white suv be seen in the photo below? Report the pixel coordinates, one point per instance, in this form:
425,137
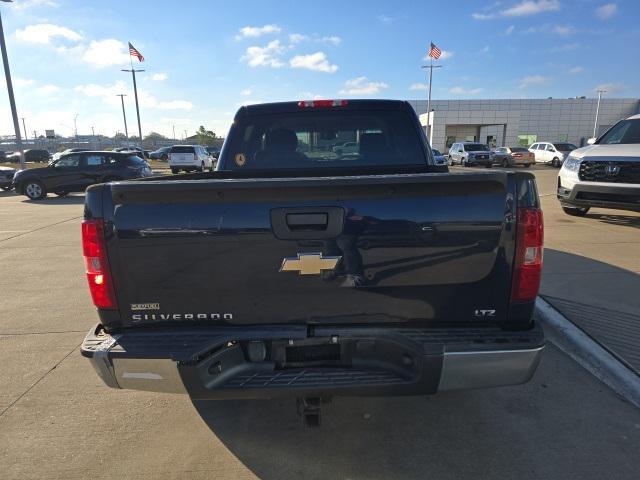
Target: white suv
553,153
189,158
604,174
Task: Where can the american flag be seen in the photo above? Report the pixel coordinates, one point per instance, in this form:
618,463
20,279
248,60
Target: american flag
434,51
138,55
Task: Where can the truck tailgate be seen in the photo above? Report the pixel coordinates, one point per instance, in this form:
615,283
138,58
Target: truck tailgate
370,249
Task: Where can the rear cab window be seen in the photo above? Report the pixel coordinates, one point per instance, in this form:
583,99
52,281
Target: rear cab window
182,149
475,147
321,138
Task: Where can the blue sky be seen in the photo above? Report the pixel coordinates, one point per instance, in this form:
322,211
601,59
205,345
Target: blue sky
203,59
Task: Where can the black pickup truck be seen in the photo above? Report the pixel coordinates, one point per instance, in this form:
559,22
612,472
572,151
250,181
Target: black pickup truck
295,270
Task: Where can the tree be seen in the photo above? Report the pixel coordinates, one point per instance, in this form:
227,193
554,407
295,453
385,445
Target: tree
155,136
206,137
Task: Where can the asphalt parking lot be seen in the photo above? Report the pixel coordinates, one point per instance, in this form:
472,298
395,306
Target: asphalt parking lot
57,419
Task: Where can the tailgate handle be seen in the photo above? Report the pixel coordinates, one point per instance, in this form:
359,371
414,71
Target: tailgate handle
307,223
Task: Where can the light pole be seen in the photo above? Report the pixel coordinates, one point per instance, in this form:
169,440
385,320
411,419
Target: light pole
24,128
174,133
595,124
75,128
12,100
124,115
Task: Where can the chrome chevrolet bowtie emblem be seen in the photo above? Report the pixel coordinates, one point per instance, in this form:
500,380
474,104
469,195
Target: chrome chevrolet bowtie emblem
612,169
309,263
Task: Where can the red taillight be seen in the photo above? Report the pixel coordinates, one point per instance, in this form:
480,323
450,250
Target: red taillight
322,103
95,256
527,270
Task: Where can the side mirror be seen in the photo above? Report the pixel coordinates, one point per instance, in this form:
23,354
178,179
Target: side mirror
591,141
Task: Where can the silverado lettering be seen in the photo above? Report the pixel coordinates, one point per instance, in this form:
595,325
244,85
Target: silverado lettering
181,316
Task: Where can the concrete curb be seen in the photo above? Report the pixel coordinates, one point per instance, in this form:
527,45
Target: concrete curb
587,352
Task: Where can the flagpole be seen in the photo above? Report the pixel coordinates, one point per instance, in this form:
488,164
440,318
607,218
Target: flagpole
431,66
429,99
135,94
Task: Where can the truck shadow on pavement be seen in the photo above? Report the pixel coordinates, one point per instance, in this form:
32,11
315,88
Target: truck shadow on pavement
626,220
523,432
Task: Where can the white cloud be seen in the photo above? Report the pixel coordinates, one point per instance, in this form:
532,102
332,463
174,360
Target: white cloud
266,56
25,4
564,29
107,92
297,37
419,86
483,16
159,77
105,53
43,33
310,96
22,82
533,80
333,40
606,11
176,105
385,18
246,92
254,32
361,86
318,62
464,91
576,70
47,89
530,7
611,88
567,47
522,9
509,30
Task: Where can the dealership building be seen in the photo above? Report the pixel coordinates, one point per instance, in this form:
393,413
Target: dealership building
520,122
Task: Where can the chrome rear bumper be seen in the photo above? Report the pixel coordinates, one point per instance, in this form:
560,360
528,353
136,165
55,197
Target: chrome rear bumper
215,364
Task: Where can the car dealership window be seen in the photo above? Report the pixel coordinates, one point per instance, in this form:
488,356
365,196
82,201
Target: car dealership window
524,140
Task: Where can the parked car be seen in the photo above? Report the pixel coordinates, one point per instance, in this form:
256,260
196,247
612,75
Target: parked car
552,153
76,171
31,155
513,156
438,157
57,155
347,148
190,158
137,150
263,280
470,154
213,151
6,177
160,154
605,174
